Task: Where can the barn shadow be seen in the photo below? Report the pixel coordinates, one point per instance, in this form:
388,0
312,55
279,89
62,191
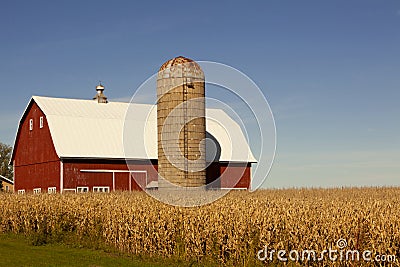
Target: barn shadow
213,154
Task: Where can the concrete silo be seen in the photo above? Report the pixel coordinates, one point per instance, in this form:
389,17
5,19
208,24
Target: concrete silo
181,124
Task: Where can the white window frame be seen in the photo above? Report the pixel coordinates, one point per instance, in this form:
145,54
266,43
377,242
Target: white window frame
81,189
101,189
69,190
41,122
21,191
37,191
52,190
30,124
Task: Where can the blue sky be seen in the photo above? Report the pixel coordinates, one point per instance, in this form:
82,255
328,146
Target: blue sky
329,69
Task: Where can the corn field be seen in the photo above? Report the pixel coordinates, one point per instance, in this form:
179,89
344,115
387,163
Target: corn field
230,231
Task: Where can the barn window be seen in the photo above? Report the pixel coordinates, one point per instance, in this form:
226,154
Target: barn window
30,124
82,189
51,190
104,189
21,191
7,188
41,123
37,191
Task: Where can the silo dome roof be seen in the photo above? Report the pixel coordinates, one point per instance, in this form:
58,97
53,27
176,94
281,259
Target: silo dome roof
179,61
180,65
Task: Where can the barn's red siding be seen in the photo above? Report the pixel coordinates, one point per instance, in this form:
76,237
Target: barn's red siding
230,175
74,177
36,164
237,175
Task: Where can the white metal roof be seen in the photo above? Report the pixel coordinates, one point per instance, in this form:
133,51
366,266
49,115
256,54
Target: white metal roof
87,129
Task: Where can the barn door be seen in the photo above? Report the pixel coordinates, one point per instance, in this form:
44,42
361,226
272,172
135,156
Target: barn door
138,181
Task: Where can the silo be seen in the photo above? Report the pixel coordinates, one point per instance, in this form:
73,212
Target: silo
181,124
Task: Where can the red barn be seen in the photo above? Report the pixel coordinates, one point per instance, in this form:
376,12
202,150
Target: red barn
82,145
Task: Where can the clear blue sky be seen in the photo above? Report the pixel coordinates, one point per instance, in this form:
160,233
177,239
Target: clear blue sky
330,70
